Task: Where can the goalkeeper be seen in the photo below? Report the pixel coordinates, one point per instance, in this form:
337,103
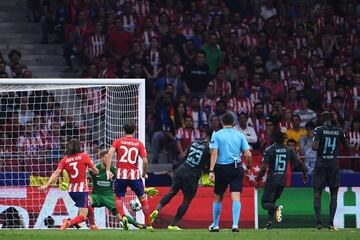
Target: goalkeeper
103,192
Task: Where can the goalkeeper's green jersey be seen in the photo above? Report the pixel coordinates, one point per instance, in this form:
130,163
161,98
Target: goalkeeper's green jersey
101,185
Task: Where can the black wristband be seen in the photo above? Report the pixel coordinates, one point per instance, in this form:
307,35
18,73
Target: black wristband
211,171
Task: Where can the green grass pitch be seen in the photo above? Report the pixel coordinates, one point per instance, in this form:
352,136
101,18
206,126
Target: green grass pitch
278,234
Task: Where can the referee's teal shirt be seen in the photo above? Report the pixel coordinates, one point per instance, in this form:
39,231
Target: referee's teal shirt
229,143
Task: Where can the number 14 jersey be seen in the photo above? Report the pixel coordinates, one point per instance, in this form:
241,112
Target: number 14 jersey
128,151
329,138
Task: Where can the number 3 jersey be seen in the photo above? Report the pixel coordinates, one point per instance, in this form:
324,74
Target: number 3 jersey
198,157
277,156
329,138
128,151
76,165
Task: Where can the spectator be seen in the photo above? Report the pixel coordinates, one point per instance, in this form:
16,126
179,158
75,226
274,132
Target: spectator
174,79
268,10
25,113
337,119
14,58
248,131
314,96
306,149
304,112
292,99
265,136
119,40
30,141
240,103
215,123
285,122
273,62
213,55
95,45
330,93
104,69
221,86
174,38
124,70
353,135
208,102
274,85
69,129
153,60
258,119
196,74
180,115
186,135
296,132
195,112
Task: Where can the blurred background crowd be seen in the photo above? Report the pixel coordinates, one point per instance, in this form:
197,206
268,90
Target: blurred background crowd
275,64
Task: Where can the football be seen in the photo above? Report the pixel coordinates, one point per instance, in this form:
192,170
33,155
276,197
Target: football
135,205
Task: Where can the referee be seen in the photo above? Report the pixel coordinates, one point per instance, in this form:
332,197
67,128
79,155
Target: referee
226,168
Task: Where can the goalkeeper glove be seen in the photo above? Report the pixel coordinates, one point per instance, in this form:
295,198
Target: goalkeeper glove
151,191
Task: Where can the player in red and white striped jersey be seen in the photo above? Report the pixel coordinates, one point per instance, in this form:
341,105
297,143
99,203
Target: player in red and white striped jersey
128,151
75,164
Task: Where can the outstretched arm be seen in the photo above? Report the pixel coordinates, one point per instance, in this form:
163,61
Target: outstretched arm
108,162
51,179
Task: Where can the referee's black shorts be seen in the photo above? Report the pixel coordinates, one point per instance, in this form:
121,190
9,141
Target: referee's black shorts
228,175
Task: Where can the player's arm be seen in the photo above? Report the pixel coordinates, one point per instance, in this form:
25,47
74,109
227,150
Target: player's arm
53,176
245,147
108,162
213,157
265,162
316,139
143,155
296,161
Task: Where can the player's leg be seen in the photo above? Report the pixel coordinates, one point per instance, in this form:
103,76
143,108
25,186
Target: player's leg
279,209
81,200
176,185
334,183
120,186
268,203
319,181
91,213
221,184
137,186
190,184
235,190
333,206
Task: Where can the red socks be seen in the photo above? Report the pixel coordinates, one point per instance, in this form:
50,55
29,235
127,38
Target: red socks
91,215
119,205
146,210
77,220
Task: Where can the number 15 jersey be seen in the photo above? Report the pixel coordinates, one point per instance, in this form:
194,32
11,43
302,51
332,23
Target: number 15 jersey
128,151
278,156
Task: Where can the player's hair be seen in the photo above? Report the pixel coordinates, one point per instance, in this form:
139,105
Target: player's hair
73,147
129,128
102,153
228,119
278,137
208,132
291,140
326,116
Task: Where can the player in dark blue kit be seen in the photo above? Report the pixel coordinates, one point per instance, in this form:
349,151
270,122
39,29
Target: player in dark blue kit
186,178
326,141
276,159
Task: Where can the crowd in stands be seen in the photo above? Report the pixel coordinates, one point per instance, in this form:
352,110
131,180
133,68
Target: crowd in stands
274,64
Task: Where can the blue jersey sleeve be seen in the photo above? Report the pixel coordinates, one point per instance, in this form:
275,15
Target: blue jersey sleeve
214,142
244,143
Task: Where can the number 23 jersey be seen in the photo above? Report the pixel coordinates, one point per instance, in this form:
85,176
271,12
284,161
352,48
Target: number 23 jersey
198,156
76,165
128,151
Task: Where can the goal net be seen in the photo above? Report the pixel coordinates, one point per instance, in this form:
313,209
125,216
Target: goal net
37,120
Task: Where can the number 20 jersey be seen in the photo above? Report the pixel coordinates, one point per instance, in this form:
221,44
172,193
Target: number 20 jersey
76,165
329,138
128,151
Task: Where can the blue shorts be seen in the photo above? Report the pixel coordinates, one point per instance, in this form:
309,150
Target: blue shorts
120,186
81,199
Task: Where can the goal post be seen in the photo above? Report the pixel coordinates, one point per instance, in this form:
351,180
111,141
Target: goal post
37,117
